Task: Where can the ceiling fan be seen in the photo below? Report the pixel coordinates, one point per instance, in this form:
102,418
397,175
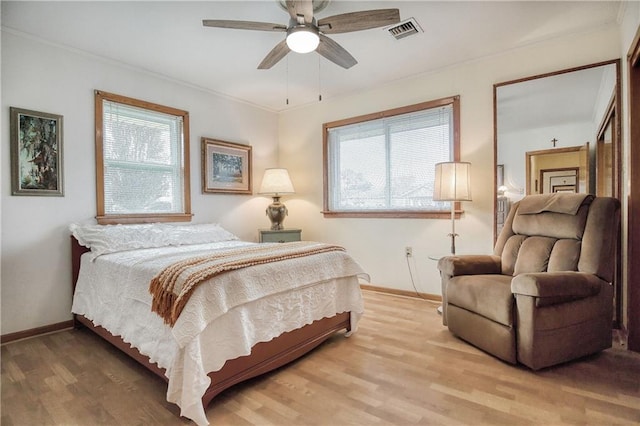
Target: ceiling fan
306,34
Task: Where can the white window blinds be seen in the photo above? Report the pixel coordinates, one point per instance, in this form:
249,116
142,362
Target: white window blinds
143,164
388,164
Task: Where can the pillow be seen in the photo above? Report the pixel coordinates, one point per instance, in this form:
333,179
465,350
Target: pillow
103,239
196,233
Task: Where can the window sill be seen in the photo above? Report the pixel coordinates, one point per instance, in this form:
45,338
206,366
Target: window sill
398,214
143,218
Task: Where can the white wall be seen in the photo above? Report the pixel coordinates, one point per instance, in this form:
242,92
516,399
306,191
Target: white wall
36,276
378,244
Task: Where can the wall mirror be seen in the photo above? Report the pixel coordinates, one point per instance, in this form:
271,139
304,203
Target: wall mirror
559,132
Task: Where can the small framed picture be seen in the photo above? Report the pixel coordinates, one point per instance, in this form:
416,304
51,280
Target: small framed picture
564,188
226,167
36,153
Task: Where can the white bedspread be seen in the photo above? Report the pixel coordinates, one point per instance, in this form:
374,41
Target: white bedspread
216,324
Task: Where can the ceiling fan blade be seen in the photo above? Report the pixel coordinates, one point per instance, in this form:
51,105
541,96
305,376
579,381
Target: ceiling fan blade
244,25
299,8
335,53
357,21
277,53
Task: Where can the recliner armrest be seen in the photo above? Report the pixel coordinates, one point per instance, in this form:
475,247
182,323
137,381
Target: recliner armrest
470,265
558,286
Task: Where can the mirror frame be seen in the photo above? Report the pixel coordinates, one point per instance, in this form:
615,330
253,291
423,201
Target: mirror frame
614,111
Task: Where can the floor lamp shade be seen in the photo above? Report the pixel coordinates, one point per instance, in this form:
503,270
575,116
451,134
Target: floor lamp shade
276,182
452,183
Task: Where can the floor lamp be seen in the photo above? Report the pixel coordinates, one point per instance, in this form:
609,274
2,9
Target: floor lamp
453,183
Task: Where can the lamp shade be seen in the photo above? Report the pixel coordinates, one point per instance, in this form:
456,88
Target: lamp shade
276,181
453,181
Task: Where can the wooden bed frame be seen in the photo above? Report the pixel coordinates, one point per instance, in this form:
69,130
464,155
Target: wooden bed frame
264,357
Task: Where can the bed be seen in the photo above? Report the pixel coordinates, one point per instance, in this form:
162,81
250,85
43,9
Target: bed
237,324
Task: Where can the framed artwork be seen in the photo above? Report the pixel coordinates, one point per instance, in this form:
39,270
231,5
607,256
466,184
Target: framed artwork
36,153
226,167
559,180
563,188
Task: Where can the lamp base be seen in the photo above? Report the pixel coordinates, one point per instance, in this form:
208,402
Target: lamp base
276,213
453,243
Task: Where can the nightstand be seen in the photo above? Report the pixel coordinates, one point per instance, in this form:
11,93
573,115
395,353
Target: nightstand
279,236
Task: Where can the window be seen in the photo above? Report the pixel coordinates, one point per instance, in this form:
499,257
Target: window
142,161
383,164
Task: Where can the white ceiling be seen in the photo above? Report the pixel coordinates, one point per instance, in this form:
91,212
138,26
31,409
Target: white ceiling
168,38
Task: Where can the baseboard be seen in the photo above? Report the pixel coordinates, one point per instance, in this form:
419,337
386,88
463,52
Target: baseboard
414,294
19,335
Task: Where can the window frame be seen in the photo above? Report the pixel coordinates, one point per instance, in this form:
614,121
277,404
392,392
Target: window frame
104,218
454,101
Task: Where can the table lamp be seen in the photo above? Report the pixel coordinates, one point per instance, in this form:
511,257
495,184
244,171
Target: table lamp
453,183
276,182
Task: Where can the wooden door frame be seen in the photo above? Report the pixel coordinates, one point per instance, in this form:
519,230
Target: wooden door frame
633,212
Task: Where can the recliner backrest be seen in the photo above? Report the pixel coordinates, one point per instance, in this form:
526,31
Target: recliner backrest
560,232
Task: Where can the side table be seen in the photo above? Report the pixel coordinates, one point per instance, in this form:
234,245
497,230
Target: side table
279,236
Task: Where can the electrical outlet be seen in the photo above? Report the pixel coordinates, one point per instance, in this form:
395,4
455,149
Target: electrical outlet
408,251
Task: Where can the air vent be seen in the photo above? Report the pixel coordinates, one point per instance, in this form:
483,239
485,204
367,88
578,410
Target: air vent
405,29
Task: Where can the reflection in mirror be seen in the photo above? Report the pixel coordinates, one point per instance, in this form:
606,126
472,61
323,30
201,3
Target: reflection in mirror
558,170
559,132
557,111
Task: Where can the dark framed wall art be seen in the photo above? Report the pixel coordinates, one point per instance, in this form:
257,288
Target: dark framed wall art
36,153
226,167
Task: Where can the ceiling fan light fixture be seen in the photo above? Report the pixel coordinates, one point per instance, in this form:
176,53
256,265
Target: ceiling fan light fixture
303,39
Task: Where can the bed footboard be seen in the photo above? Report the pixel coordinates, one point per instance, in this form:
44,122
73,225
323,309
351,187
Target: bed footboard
267,356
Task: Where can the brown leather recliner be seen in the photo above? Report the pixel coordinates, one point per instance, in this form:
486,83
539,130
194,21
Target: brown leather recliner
545,295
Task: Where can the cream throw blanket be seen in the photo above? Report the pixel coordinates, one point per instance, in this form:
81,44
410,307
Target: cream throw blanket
554,203
173,286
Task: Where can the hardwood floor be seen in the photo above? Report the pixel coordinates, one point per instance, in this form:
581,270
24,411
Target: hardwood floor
402,367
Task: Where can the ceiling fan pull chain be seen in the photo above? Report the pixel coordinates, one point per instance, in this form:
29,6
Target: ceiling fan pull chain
319,82
287,81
